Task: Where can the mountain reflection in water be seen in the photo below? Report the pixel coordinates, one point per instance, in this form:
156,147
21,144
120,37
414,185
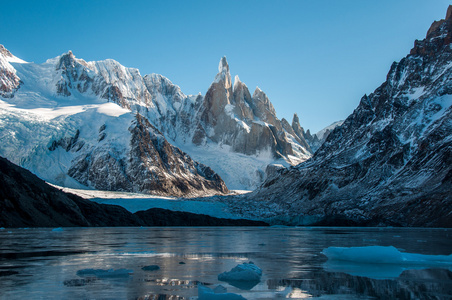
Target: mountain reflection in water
39,263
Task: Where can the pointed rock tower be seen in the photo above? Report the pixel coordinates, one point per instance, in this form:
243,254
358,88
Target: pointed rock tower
231,116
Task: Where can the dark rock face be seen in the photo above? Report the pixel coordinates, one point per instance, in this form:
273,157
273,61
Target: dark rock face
152,166
390,161
27,201
438,36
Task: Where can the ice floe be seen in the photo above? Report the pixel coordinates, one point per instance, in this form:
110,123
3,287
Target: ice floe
244,276
384,255
380,262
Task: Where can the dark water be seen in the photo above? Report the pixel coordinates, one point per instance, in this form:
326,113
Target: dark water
43,264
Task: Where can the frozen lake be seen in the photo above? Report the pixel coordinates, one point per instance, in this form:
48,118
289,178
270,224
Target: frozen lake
43,263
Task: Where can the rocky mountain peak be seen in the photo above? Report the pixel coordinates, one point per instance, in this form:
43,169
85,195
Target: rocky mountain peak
299,131
5,52
237,83
438,35
449,13
223,75
8,56
262,102
9,81
223,66
68,61
295,119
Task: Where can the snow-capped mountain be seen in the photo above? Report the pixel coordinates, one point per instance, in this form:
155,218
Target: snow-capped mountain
390,162
242,127
60,124
104,126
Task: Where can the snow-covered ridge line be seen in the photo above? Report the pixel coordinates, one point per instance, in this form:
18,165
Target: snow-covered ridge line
229,119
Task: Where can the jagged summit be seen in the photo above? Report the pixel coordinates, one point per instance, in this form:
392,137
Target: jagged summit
223,66
9,80
223,75
449,12
438,35
248,123
436,24
237,83
9,56
257,90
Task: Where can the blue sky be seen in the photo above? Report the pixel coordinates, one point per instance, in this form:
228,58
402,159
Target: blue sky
315,58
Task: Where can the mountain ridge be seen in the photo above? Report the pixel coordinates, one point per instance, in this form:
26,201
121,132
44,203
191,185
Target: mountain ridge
228,120
389,163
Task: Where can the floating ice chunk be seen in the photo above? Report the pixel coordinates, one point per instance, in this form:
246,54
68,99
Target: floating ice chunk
204,293
384,255
379,262
244,272
244,276
59,229
371,254
100,273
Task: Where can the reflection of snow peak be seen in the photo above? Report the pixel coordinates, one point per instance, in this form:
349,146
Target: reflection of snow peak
384,255
204,293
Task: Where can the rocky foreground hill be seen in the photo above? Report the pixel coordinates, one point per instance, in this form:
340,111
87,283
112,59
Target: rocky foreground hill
27,201
389,163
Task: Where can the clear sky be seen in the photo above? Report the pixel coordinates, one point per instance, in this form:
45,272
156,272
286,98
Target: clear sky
315,58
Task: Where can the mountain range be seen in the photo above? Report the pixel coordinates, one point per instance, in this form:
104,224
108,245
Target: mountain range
104,126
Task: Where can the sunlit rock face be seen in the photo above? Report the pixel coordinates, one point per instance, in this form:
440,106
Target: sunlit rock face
230,115
9,81
390,162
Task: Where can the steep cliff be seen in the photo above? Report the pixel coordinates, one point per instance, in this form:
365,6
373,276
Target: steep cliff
390,162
